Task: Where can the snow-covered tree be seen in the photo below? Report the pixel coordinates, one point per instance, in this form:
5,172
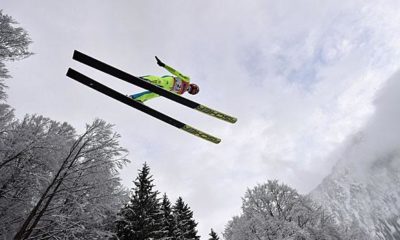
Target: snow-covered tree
141,217
54,184
14,41
276,211
81,187
213,235
168,222
185,224
29,151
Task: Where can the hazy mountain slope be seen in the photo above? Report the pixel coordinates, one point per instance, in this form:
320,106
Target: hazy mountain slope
364,186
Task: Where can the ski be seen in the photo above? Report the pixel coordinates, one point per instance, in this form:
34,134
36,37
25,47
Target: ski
94,63
77,76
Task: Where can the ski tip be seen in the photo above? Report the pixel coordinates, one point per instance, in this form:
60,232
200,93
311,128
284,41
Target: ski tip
201,134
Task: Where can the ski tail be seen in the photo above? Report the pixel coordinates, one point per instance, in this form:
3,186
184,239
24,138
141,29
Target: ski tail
77,76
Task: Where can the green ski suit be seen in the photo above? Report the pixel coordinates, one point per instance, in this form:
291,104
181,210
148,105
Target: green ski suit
178,84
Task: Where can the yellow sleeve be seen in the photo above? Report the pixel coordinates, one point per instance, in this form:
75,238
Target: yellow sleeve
176,73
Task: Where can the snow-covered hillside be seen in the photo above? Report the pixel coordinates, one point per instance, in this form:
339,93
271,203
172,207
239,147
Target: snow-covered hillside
363,189
372,202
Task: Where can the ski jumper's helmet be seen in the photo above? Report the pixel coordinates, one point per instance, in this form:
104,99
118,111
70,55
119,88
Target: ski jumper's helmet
193,89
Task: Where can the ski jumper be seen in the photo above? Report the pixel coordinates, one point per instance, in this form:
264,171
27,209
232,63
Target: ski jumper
178,84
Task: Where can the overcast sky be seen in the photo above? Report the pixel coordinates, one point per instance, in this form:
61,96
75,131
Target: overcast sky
300,76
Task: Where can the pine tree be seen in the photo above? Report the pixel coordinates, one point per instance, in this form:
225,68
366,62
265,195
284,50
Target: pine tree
168,221
185,224
140,219
213,235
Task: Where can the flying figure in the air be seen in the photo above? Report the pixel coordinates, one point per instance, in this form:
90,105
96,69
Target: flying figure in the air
178,84
170,87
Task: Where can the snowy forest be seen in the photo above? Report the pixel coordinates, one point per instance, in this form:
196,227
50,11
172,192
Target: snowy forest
57,183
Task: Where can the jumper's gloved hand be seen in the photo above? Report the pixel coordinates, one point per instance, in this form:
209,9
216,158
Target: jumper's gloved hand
161,64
